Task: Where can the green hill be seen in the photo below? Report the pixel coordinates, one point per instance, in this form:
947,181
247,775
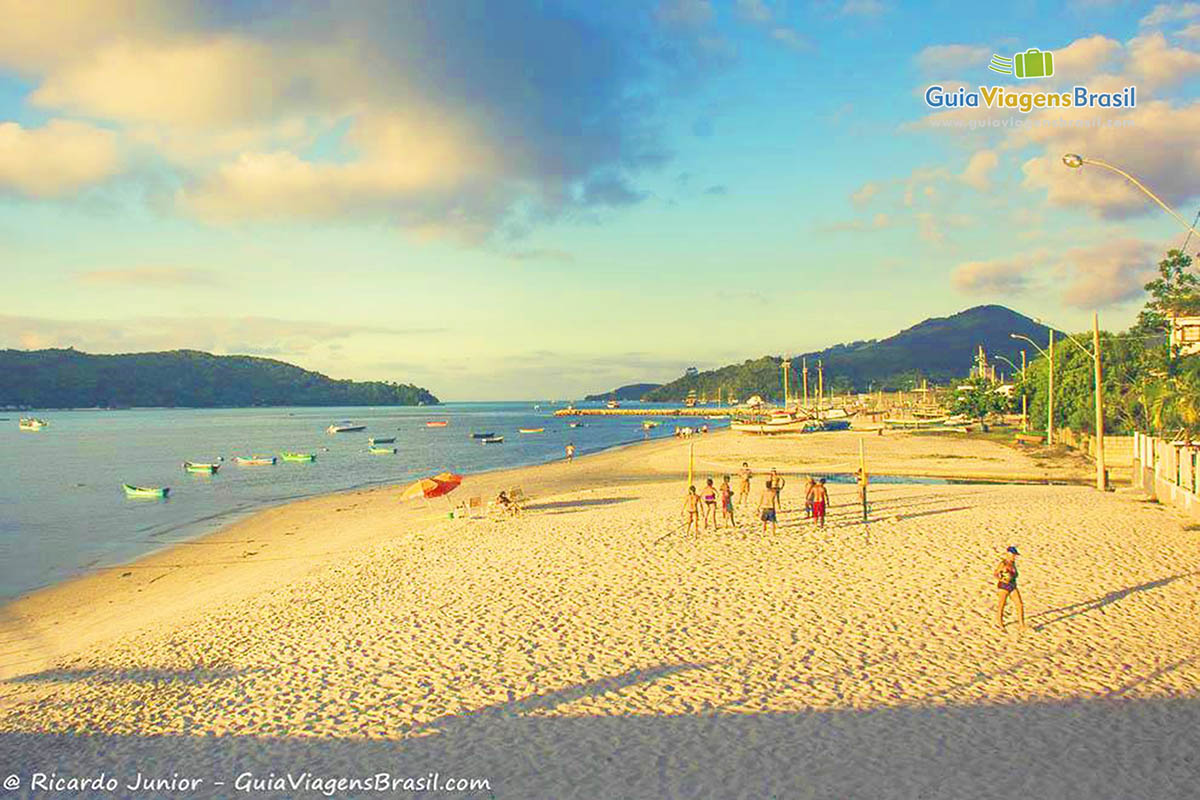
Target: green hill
186,378
939,349
632,391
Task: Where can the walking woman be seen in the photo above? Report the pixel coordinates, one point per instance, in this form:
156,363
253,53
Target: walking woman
1006,586
709,495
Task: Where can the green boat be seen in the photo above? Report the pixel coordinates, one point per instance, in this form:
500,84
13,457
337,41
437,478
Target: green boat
255,461
298,456
145,491
206,469
382,451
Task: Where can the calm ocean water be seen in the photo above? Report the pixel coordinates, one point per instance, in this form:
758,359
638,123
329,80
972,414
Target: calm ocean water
62,509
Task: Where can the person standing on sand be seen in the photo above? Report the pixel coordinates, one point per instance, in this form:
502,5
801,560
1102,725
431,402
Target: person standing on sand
709,496
1006,586
570,452
727,501
744,489
809,488
768,506
820,501
691,510
778,482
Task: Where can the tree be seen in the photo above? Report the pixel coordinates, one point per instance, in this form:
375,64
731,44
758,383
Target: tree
978,397
1175,291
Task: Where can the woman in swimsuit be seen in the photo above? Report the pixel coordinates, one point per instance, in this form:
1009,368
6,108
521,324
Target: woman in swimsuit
710,504
727,501
691,510
1006,585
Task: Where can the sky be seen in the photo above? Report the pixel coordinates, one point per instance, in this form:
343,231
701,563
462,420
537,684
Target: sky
537,200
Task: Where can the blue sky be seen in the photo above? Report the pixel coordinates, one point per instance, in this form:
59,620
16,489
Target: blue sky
545,199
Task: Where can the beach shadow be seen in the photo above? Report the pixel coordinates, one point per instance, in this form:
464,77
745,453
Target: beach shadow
194,675
1083,748
1084,606
577,505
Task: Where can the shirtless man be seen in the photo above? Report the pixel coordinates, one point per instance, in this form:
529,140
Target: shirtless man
820,500
768,506
691,510
744,489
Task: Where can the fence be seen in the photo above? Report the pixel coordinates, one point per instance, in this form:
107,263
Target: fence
1167,471
1118,452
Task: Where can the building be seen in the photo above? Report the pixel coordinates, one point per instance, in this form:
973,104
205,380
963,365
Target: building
1185,335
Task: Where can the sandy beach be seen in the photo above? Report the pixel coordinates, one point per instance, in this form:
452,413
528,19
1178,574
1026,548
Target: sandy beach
588,649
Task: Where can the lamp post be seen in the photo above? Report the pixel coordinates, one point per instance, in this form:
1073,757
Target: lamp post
1094,355
1076,161
1050,391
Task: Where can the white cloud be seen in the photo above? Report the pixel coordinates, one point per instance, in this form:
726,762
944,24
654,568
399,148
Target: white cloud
56,159
950,58
1170,12
993,277
864,8
1106,274
977,173
865,193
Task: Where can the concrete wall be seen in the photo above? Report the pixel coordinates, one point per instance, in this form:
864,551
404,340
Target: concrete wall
1168,472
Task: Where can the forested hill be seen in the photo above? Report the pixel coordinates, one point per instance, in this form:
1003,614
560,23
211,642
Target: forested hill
184,378
939,349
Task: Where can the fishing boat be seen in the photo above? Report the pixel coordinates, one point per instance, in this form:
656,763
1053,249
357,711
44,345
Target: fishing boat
254,461
690,400
487,435
437,423
492,440
31,424
650,423
206,469
345,426
574,424
145,491
298,456
374,440
531,430
382,451
613,404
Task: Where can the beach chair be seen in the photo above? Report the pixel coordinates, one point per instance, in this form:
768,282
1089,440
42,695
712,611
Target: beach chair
474,507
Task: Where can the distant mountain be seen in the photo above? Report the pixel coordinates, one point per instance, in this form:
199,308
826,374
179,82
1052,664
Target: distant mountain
187,378
939,349
633,391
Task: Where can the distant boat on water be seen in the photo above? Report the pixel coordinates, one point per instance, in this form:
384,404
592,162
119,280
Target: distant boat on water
31,424
491,439
382,451
145,491
381,440
195,466
288,456
613,404
345,427
437,423
531,430
254,461
487,435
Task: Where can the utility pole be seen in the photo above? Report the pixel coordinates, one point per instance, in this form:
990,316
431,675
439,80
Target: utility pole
1050,399
1024,398
820,384
787,367
1101,484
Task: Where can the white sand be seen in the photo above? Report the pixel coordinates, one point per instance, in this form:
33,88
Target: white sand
569,655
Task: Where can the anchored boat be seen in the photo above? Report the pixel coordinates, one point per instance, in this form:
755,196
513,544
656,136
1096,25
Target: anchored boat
145,491
487,435
298,456
194,466
382,451
437,423
31,424
491,439
531,430
374,440
255,461
345,427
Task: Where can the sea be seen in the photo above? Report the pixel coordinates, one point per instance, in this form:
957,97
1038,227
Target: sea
63,511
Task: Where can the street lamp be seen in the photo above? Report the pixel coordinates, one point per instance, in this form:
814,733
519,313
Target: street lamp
1050,393
1076,161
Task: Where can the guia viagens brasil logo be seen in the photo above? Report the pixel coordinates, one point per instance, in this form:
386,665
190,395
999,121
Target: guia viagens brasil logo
1033,63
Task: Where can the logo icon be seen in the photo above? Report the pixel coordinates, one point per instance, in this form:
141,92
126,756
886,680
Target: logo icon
1033,63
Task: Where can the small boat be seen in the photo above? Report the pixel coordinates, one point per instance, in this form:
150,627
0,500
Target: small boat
491,440
207,469
650,423
31,424
254,461
382,451
531,430
298,456
437,423
488,435
613,404
374,440
145,491
574,424
345,427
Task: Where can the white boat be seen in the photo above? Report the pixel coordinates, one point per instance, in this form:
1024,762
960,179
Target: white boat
492,440
31,424
613,404
345,427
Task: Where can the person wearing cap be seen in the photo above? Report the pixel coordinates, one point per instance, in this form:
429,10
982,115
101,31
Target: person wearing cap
1006,584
